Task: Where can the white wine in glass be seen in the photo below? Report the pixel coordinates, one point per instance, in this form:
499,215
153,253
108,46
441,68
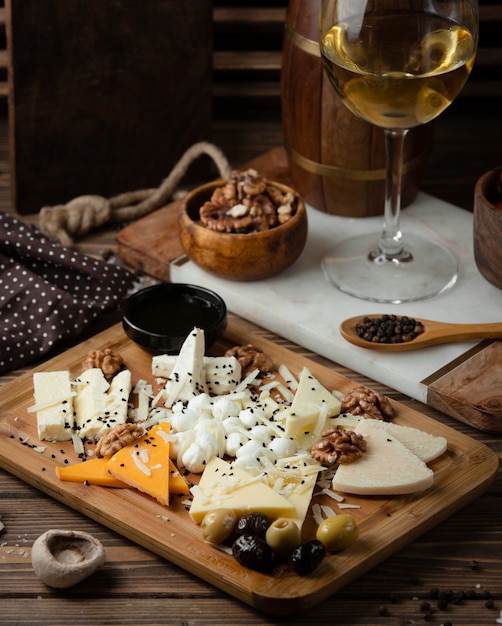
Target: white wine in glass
396,64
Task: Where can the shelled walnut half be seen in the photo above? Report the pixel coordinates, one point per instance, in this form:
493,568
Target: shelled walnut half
247,203
251,357
107,360
367,403
338,446
117,438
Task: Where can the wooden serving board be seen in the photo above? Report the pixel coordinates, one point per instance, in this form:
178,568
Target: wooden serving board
386,524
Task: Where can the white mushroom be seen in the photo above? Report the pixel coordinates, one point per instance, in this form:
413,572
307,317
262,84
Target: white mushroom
63,558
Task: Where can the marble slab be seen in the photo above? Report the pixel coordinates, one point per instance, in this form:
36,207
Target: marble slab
302,306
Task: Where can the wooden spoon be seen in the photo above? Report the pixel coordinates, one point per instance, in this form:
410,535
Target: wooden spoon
434,334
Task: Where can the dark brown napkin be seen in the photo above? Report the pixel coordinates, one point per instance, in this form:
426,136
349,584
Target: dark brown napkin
48,292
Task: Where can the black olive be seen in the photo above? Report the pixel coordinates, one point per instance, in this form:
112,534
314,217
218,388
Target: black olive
252,524
253,552
306,557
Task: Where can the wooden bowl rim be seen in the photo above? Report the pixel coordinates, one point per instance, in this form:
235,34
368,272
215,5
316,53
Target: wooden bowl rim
481,187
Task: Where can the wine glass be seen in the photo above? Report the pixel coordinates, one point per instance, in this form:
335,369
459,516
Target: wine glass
396,64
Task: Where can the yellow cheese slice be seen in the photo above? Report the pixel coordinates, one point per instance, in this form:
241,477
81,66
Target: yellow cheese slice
311,392
300,420
301,499
225,486
144,464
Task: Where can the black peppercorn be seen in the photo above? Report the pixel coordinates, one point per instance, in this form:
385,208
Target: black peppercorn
389,329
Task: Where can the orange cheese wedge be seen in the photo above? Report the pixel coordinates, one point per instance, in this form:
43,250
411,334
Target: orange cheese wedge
144,464
177,484
95,472
92,471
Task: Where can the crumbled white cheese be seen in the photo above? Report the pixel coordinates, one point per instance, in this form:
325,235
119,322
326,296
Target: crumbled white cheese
282,446
234,442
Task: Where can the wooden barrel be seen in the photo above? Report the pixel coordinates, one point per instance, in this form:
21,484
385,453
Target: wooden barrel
337,161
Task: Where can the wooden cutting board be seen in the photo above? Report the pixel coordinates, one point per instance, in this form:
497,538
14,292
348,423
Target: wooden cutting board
461,383
386,524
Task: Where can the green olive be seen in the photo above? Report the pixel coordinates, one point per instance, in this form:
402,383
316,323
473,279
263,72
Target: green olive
338,532
218,525
283,535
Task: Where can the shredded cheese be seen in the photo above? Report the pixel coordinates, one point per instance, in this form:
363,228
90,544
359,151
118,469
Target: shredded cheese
140,465
35,408
332,494
327,510
286,374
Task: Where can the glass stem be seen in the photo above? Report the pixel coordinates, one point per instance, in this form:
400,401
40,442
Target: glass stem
390,245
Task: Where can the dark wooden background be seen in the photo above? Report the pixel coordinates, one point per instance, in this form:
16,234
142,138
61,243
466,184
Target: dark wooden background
246,115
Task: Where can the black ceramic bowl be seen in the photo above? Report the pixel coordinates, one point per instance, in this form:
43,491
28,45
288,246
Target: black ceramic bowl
159,318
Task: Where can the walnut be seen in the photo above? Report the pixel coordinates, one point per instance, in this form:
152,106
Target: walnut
117,438
338,446
107,360
250,357
247,203
367,403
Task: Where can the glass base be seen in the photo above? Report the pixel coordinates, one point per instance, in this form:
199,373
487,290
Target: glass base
426,269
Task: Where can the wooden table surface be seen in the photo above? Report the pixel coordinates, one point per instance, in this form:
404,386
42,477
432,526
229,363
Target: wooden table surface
461,557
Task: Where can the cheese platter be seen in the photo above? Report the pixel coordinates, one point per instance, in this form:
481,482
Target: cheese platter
386,523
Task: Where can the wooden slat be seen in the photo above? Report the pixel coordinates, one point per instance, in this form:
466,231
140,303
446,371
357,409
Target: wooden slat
244,60
490,13
249,15
246,90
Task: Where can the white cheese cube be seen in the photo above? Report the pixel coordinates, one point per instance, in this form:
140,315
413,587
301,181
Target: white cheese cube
98,404
53,405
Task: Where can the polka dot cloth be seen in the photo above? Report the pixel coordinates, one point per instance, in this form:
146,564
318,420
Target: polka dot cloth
48,292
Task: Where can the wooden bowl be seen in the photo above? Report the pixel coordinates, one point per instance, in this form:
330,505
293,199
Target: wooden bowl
488,228
236,256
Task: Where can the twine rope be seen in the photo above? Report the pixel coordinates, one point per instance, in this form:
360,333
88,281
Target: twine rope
84,213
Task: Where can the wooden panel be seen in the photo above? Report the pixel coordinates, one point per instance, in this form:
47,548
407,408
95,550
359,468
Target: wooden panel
386,523
104,97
